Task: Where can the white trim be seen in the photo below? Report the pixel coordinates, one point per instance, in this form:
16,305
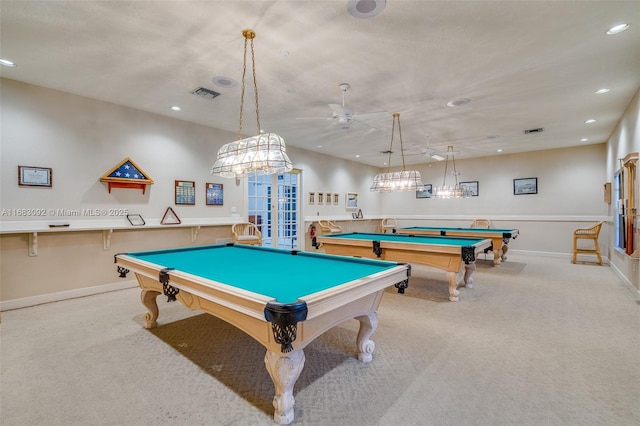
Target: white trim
626,282
8,305
497,218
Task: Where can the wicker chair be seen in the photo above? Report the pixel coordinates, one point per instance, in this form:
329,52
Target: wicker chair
481,223
590,234
328,227
246,233
388,224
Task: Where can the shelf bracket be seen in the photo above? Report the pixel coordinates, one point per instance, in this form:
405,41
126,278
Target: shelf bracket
106,238
33,244
194,233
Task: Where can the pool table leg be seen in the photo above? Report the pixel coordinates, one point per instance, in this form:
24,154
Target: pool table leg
368,325
453,285
468,271
148,298
284,370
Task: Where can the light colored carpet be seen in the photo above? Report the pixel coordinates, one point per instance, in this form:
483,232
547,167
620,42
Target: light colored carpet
538,341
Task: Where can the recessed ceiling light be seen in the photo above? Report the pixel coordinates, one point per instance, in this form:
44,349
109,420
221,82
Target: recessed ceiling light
224,81
7,63
454,103
499,150
603,90
584,139
319,146
618,29
590,121
175,108
357,155
365,8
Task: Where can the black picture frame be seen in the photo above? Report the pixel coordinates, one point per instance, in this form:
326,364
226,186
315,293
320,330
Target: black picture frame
472,186
525,186
426,192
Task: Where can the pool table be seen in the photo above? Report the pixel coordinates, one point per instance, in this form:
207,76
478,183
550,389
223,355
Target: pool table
449,253
283,299
499,237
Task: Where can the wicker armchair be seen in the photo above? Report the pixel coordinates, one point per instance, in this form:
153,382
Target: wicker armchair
590,234
388,224
246,233
328,227
481,223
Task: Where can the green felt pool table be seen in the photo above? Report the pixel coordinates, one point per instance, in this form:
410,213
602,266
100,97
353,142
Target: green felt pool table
447,253
283,299
499,237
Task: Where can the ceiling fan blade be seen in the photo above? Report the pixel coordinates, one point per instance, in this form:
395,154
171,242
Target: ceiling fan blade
339,111
372,115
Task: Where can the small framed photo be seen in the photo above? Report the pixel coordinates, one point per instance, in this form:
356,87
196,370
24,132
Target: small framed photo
472,187
320,197
215,194
336,198
425,192
525,186
351,200
312,198
35,176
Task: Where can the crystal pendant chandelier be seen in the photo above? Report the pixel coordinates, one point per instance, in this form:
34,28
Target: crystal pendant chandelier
397,181
450,191
264,154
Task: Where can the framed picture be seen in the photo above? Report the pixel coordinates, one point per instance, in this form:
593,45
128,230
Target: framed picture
312,198
320,197
472,187
336,198
425,192
215,195
525,186
35,176
185,192
351,200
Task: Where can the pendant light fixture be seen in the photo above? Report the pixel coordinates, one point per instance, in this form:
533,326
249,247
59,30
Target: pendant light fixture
450,191
397,181
263,154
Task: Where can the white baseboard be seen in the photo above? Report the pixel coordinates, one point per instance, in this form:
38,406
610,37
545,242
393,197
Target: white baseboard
25,302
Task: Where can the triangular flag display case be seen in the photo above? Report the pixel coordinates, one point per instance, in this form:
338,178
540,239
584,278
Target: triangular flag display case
170,217
127,174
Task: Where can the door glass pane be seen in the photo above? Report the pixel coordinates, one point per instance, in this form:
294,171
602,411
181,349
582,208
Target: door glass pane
276,219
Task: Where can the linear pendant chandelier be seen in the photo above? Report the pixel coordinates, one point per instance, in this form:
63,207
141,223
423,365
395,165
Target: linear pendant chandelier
450,191
264,154
397,181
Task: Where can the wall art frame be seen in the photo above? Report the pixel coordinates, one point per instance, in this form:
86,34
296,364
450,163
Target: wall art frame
35,176
524,186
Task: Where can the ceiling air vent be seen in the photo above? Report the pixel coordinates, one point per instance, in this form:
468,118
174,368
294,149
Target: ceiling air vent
205,93
386,152
538,130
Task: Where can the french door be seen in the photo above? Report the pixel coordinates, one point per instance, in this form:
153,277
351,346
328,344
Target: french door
273,207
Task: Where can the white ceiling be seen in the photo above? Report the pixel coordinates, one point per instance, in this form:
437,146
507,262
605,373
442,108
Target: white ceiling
522,64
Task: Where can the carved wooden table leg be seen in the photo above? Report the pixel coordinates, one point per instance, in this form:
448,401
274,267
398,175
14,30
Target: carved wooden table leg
503,255
284,370
453,284
468,271
148,298
368,325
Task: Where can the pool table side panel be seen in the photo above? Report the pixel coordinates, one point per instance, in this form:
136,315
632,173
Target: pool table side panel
438,260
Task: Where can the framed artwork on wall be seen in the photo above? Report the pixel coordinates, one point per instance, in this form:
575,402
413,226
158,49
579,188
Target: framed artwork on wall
525,186
351,200
312,198
185,192
215,194
425,192
35,176
472,187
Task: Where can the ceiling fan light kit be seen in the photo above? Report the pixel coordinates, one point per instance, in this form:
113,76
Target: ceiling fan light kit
264,154
397,181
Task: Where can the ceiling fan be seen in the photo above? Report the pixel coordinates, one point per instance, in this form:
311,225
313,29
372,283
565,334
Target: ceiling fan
344,118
